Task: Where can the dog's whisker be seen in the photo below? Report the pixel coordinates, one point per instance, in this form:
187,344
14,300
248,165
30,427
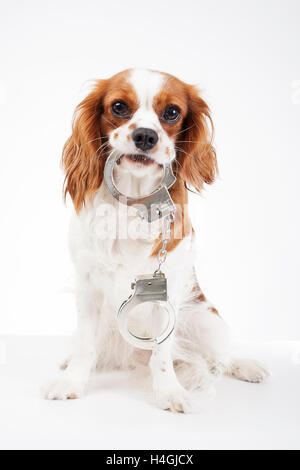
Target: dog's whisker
88,142
183,151
189,141
183,130
109,122
102,147
178,149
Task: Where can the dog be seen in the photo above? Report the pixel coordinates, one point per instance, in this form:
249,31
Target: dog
148,119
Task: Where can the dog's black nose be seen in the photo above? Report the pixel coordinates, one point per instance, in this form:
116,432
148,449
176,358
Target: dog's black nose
144,138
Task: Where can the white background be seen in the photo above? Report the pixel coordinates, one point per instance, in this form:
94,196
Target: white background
246,57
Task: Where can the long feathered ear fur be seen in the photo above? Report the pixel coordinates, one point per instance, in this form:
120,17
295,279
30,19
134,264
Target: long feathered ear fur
196,155
81,157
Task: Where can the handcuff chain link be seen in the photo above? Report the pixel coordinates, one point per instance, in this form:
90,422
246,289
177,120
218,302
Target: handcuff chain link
166,236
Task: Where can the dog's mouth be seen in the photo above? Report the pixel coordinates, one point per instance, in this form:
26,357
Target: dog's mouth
137,158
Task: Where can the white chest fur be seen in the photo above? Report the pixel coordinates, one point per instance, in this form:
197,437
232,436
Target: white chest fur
110,244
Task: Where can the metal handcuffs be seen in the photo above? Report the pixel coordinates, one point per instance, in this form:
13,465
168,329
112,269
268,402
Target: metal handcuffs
146,288
152,207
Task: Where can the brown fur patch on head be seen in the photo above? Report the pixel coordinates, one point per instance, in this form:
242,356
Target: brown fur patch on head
84,153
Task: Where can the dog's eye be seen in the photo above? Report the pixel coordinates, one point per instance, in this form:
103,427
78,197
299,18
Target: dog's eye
120,109
171,113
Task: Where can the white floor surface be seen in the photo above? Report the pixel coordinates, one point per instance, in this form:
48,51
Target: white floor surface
116,414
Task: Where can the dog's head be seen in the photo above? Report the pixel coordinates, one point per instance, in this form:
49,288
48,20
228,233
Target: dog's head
148,118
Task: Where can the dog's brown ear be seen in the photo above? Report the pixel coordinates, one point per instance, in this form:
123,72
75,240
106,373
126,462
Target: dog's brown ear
81,157
196,154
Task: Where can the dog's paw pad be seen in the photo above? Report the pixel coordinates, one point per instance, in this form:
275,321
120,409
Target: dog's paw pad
63,389
178,400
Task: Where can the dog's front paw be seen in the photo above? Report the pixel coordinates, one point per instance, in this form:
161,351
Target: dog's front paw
177,400
64,388
248,370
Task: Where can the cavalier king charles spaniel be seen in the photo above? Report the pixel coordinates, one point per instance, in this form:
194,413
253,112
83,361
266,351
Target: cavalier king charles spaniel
148,119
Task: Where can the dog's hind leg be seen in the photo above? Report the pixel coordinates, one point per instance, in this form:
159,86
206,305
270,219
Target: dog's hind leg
203,335
247,370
